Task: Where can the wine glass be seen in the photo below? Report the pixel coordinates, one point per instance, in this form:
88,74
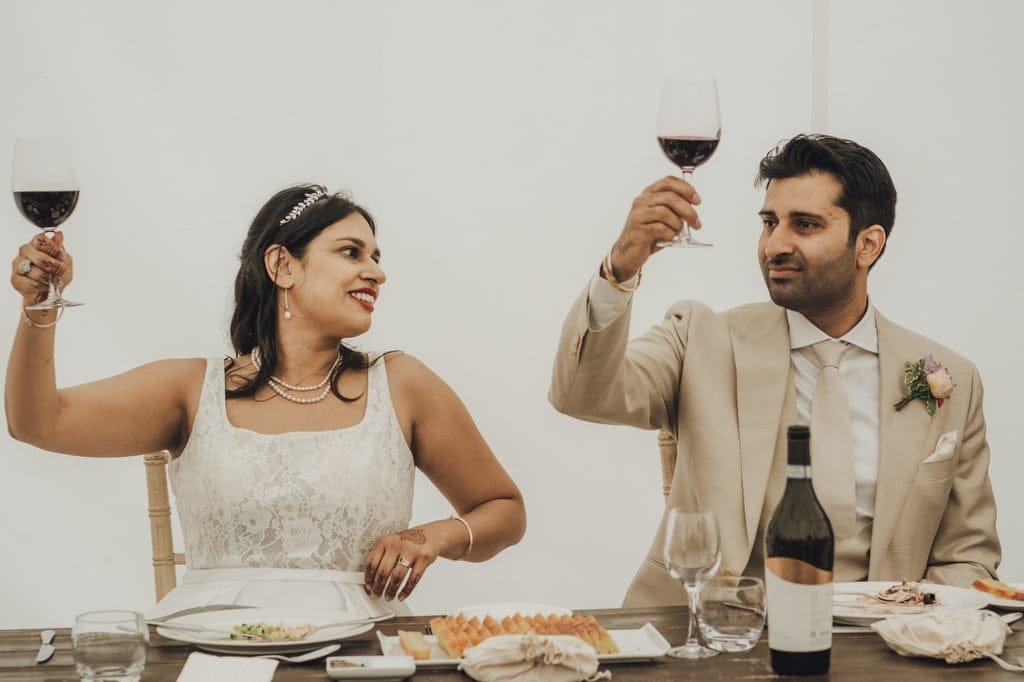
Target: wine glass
46,192
689,128
692,555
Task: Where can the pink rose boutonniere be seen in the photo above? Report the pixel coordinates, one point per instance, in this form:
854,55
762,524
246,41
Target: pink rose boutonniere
926,380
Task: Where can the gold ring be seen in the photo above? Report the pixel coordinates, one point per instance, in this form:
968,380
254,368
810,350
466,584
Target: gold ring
402,561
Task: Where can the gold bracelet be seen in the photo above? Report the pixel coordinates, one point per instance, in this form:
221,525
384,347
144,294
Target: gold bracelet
37,325
456,517
609,275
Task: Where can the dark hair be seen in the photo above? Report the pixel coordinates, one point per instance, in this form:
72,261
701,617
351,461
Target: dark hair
254,321
868,194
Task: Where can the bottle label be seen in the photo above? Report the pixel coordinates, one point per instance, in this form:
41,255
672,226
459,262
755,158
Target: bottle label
798,471
799,605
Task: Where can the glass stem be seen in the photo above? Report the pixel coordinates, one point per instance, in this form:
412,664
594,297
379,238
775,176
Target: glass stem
52,278
691,598
686,236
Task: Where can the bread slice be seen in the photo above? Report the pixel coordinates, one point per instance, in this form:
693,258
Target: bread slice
999,589
414,644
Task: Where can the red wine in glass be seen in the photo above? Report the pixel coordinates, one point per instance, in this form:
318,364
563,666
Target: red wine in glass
689,128
46,193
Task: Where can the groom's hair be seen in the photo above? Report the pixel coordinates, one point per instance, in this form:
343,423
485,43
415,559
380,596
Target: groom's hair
868,194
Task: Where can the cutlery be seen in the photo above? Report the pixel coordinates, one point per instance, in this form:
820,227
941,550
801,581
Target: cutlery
360,621
46,648
302,658
203,630
201,609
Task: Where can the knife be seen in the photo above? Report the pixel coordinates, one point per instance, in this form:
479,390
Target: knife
201,609
46,648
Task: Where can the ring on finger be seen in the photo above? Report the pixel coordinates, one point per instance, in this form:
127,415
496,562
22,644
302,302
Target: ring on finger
24,267
402,561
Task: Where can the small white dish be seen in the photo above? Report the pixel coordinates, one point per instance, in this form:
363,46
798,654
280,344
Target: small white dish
1001,602
379,668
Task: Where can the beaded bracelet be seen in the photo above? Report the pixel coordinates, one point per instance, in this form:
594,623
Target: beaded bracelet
609,274
39,325
456,517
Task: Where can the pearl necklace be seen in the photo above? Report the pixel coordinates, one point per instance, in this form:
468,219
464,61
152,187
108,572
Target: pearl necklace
282,387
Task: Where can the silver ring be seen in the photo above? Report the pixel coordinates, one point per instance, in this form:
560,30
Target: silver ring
24,267
402,561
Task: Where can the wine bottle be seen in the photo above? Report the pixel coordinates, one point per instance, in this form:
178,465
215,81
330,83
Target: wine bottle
799,554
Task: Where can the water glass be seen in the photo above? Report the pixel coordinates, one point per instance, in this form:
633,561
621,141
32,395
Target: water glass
730,612
110,645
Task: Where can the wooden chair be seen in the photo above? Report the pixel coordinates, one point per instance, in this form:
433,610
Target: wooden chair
164,556
668,446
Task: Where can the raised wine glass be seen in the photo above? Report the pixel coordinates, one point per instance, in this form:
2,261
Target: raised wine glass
692,556
46,192
689,128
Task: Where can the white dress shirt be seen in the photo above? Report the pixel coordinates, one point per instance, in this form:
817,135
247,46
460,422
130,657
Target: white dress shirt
858,367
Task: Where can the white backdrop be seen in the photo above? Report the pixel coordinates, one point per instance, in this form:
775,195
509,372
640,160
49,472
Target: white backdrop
498,146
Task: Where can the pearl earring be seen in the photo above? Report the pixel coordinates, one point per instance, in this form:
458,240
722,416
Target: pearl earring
287,311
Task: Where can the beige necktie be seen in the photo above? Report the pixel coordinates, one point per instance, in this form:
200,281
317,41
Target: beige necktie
832,441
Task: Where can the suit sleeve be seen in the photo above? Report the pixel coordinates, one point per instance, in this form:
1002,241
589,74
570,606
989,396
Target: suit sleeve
966,546
602,376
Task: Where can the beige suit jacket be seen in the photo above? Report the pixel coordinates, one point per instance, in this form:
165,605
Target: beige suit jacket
720,381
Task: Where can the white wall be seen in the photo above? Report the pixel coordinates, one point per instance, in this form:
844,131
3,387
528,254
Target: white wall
499,146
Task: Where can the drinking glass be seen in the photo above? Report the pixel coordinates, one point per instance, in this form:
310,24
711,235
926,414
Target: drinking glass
110,645
46,192
730,612
689,128
692,555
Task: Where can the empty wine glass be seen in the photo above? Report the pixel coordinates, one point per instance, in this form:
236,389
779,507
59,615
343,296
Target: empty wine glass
691,555
46,192
689,128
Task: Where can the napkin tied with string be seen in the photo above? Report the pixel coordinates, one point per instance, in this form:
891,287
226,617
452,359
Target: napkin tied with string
533,658
955,636
206,668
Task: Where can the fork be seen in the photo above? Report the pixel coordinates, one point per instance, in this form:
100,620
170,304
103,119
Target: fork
203,630
360,621
302,658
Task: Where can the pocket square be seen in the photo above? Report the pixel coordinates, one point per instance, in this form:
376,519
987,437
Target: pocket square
944,449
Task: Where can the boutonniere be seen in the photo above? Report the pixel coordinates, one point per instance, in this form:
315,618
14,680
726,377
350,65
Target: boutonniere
927,380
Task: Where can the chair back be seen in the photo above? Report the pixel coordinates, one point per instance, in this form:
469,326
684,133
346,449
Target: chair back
164,556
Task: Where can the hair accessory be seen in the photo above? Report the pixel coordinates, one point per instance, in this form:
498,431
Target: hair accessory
456,517
29,322
282,388
297,210
609,274
287,310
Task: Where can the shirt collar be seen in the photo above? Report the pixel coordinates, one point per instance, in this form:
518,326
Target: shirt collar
803,333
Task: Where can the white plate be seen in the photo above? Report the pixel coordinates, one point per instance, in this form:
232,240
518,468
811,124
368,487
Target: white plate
1002,603
641,644
225,620
503,610
379,668
847,607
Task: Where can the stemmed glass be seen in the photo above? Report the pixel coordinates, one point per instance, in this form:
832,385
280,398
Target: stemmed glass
689,128
692,555
46,192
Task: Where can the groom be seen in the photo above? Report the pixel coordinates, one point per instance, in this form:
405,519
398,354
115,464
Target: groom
907,490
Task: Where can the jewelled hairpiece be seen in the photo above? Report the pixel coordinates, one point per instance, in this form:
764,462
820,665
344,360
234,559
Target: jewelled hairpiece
297,210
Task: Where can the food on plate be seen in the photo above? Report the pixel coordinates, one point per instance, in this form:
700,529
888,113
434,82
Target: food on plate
456,633
414,644
908,593
279,632
999,589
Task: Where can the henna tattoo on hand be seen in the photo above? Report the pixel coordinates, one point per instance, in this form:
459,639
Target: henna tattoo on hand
414,535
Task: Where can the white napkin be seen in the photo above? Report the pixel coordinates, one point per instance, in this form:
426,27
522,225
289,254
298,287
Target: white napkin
955,636
206,668
532,658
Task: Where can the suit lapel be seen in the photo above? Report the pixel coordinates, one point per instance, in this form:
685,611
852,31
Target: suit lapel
761,350
901,436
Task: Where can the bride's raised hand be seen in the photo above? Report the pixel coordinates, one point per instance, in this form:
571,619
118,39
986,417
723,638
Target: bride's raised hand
36,262
398,561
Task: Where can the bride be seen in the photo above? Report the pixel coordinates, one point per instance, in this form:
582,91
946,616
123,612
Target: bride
293,462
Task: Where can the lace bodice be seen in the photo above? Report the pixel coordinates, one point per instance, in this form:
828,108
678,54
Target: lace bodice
310,499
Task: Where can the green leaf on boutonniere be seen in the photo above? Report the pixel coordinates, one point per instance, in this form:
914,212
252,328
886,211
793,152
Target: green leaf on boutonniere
916,380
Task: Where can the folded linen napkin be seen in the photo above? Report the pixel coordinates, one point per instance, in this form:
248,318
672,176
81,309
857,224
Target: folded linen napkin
954,635
206,668
533,658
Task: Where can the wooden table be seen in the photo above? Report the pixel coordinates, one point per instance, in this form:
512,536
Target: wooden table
854,656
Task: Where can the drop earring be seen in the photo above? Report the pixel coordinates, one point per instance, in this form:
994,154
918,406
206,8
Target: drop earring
287,310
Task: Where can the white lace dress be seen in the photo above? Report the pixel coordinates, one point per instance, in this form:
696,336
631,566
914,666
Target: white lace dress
288,519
